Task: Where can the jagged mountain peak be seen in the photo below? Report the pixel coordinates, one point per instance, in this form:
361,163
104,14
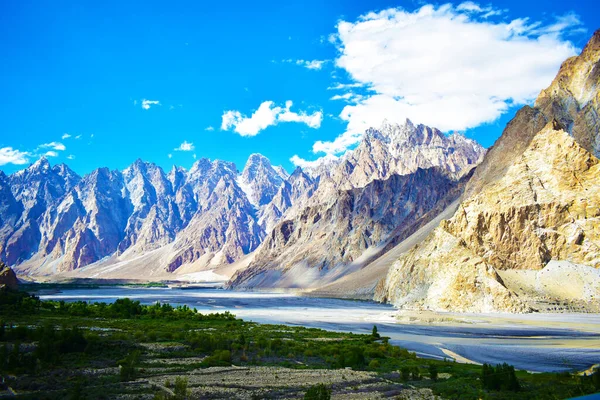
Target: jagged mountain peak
204,169
201,165
389,126
402,149
281,172
259,180
257,158
140,165
175,169
64,169
257,163
42,164
298,173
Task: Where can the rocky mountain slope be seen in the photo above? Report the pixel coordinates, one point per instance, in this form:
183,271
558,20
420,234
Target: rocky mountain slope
63,222
369,200
532,205
396,149
329,240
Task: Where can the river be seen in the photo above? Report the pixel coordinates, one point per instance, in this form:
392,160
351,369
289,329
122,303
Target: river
534,342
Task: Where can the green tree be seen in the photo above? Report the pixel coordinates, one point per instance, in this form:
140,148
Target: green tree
501,377
405,372
318,392
129,365
433,372
416,374
596,379
375,334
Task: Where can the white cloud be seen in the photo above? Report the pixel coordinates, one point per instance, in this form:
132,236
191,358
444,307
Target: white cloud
8,155
71,157
312,120
194,156
268,115
341,86
314,64
53,145
185,146
305,164
310,64
65,136
51,153
348,97
451,67
209,128
78,137
146,104
170,155
471,7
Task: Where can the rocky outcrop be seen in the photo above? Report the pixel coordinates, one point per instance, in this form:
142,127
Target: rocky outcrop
8,279
298,188
535,198
573,98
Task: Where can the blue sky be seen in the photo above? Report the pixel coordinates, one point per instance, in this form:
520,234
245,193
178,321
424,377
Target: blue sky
74,75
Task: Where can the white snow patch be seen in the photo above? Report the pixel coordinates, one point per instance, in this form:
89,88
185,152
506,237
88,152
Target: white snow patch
247,188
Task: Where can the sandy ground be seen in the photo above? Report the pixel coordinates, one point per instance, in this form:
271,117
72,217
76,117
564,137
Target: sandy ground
147,267
576,286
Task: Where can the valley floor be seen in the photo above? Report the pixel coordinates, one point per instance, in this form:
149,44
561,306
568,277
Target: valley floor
125,350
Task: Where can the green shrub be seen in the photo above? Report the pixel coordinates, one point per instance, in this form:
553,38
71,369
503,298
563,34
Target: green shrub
181,389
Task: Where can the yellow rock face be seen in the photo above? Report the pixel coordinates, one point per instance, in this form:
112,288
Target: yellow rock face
535,198
547,206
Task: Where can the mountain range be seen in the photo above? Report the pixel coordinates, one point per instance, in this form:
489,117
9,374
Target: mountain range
56,223
411,216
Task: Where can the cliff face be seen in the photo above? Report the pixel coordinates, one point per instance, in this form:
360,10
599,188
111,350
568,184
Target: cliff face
535,198
326,241
573,98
